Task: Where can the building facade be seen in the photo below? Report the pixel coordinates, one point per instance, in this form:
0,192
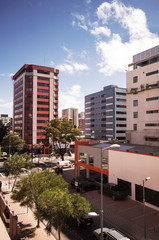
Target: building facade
81,121
105,114
71,114
122,166
35,101
143,98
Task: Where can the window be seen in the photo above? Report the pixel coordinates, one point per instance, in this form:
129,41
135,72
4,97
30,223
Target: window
42,103
135,103
152,139
20,80
43,96
43,78
152,111
120,106
83,158
151,73
135,114
43,90
43,72
135,127
135,79
152,98
152,125
43,84
91,160
42,109
121,93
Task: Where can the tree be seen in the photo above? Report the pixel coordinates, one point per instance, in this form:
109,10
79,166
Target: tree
13,143
56,206
14,164
81,207
28,190
3,131
62,133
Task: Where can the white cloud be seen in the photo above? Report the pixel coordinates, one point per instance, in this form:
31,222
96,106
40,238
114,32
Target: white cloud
115,53
4,104
101,30
71,66
72,97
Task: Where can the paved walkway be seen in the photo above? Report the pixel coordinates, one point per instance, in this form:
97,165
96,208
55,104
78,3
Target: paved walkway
27,220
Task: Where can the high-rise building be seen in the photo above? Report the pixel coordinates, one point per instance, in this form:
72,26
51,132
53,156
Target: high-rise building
35,101
143,98
81,121
105,114
71,114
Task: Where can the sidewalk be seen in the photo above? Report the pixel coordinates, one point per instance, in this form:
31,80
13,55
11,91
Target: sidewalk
28,222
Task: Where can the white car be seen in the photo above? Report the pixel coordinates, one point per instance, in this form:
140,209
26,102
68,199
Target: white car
109,234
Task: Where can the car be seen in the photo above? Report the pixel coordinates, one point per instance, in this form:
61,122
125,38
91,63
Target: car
114,191
86,222
111,234
24,170
88,185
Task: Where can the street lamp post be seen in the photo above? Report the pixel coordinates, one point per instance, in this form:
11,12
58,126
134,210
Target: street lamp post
101,211
145,180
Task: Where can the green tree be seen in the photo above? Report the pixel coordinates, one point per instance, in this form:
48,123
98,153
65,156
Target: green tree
55,207
3,131
14,164
62,132
81,207
28,190
13,143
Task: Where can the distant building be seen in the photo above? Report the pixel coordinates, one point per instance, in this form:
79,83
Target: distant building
105,114
71,114
143,98
81,121
6,120
35,101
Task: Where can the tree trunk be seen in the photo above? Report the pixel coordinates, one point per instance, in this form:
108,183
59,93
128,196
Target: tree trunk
38,223
59,231
14,184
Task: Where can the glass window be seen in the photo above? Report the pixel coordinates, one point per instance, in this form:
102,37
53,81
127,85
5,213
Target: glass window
135,79
135,127
135,103
83,158
135,114
91,160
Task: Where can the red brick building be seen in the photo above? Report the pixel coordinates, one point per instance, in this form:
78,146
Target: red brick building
35,101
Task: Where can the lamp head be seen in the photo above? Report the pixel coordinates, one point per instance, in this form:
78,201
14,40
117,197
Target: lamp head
148,178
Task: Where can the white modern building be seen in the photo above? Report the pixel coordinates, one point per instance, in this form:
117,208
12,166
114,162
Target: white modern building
143,98
71,114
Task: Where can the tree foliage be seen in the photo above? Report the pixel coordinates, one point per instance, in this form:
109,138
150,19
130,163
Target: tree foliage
28,190
14,164
62,132
13,143
47,194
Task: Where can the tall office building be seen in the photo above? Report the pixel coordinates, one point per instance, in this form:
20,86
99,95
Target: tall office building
105,114
81,121
143,98
71,114
35,101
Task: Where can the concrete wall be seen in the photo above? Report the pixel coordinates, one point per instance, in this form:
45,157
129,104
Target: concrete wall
14,229
134,168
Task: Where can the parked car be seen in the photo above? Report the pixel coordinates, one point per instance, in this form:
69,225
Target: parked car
114,191
85,222
109,234
88,185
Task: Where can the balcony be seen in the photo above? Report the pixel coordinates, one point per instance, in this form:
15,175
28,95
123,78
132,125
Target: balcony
143,87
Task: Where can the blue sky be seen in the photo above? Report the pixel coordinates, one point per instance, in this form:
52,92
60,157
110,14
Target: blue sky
91,42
